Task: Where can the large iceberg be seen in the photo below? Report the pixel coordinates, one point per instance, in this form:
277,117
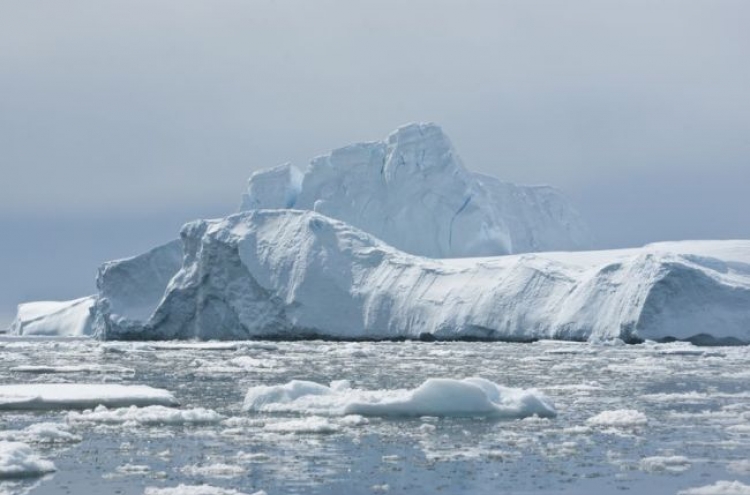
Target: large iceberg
292,274
396,239
412,191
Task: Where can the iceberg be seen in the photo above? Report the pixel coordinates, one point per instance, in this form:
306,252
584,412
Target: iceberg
441,397
396,239
298,274
54,318
413,192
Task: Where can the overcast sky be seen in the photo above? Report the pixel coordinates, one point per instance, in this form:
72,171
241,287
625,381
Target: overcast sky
119,120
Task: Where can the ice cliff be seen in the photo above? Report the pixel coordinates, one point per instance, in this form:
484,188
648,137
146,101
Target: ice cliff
287,273
412,191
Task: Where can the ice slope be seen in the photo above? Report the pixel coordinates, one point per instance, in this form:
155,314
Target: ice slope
412,191
54,318
290,273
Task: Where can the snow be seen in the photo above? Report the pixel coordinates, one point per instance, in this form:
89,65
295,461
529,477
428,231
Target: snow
58,318
18,460
412,191
278,273
719,488
149,415
435,397
50,396
619,418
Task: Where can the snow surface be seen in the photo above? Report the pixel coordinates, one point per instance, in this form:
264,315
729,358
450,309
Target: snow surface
435,397
280,273
412,191
49,396
54,318
18,460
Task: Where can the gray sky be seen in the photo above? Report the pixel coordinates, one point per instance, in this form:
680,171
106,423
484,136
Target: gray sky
120,120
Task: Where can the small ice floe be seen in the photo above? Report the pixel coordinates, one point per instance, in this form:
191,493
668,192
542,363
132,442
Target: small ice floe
42,433
312,424
217,470
196,490
719,488
18,460
84,368
195,346
148,416
50,396
620,418
471,397
668,464
739,467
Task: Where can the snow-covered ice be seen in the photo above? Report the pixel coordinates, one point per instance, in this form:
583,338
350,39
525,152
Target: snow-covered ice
435,397
18,460
47,396
619,418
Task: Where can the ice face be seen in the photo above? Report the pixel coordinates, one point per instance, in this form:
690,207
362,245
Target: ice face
412,191
58,318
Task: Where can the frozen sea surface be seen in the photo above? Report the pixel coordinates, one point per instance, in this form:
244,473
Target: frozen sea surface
642,419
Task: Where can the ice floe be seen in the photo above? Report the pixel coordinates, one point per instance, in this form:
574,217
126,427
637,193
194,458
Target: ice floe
18,460
435,397
47,396
150,415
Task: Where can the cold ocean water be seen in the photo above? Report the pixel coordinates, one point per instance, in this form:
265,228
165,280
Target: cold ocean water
641,419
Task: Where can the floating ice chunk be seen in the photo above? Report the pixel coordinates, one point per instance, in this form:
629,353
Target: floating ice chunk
196,490
150,415
218,470
18,460
740,467
719,488
435,397
622,418
49,396
672,464
42,433
301,426
84,368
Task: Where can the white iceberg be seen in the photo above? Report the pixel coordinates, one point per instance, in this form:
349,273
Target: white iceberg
435,397
288,273
54,318
18,460
50,396
412,191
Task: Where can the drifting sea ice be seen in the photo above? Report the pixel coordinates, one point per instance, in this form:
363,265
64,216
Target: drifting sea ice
18,460
50,396
435,397
150,415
